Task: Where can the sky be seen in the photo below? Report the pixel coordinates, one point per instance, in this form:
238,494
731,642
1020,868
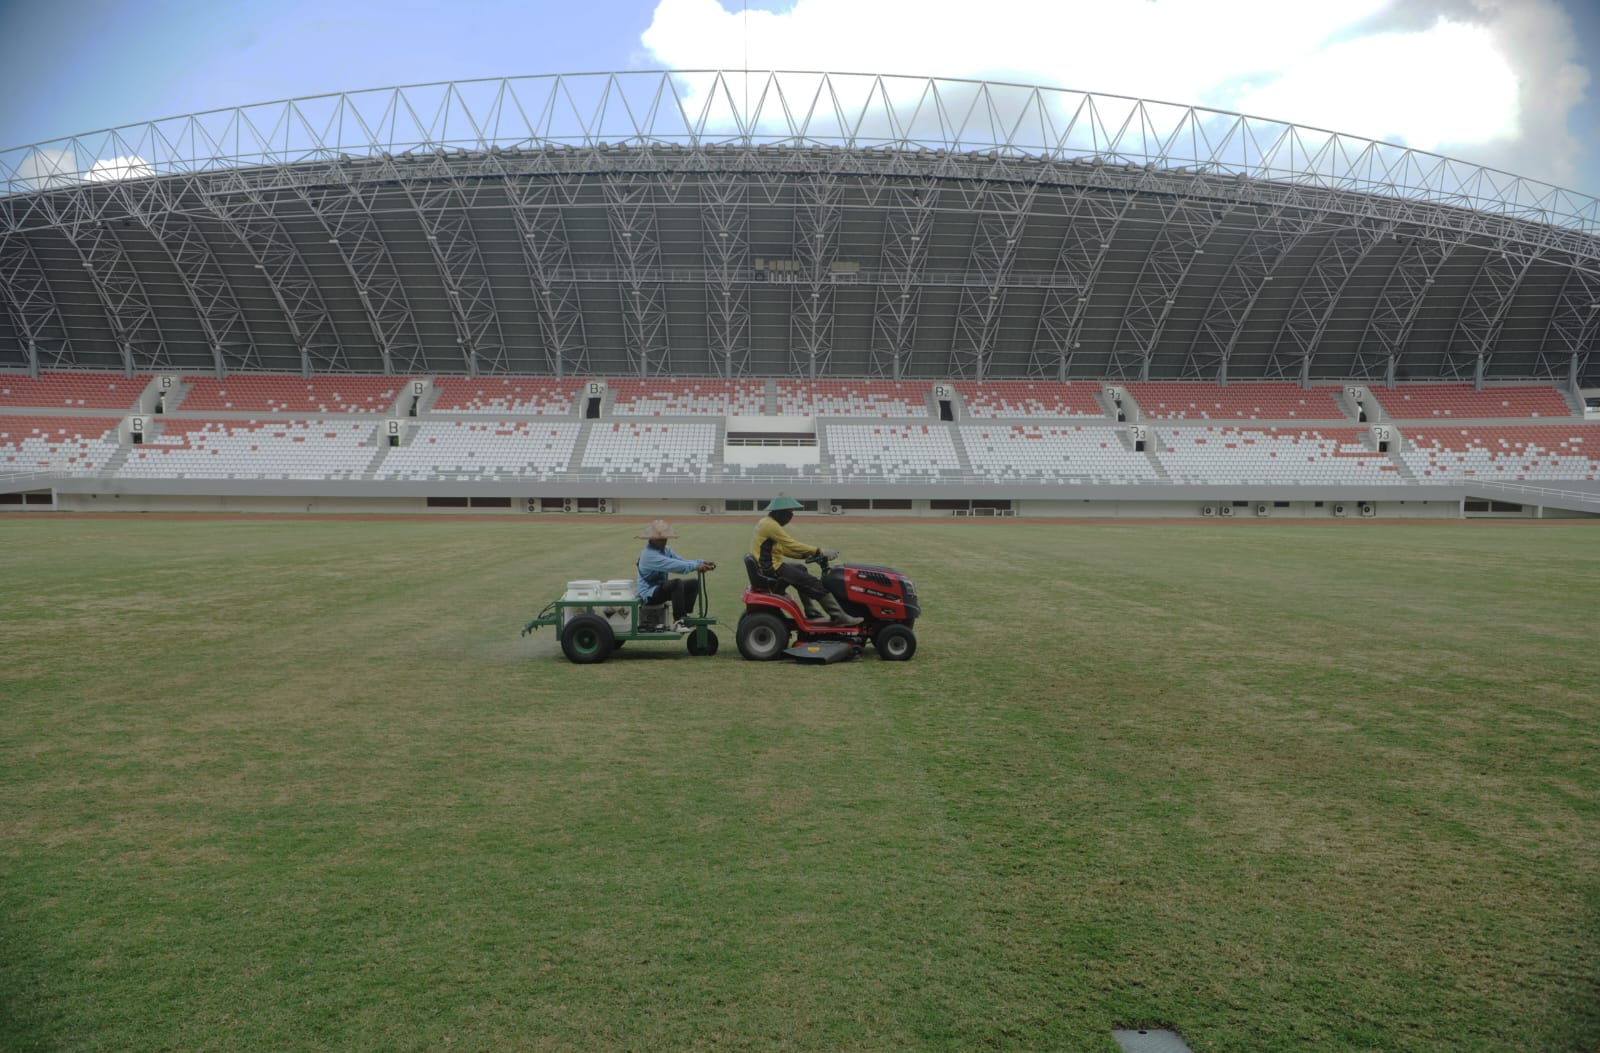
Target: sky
1511,84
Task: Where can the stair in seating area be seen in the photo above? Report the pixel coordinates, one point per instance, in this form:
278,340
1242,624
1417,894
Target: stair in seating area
382,451
1150,455
115,462
575,464
962,457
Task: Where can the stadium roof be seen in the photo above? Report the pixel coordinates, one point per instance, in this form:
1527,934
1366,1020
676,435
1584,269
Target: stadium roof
790,224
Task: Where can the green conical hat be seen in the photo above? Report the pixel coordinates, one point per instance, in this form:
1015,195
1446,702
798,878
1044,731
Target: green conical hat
780,503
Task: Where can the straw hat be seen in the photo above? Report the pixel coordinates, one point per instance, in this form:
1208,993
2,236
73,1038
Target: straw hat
658,531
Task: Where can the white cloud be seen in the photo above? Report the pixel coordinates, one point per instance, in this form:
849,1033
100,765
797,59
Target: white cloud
1448,85
1486,80
44,168
131,167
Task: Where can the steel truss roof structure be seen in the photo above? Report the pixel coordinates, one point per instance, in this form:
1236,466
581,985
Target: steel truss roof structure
791,224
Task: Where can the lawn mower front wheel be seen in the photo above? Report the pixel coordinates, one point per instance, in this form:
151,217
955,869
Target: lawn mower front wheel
895,643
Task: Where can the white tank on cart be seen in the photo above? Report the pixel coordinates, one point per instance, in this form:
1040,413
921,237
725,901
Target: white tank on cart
621,618
586,591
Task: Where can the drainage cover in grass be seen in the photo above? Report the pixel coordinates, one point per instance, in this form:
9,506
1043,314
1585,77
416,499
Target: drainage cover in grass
1149,1041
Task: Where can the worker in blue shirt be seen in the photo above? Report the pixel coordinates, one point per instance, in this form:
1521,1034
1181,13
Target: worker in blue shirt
657,564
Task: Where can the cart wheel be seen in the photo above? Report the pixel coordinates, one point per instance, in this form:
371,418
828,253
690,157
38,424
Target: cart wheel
706,651
895,643
588,639
762,637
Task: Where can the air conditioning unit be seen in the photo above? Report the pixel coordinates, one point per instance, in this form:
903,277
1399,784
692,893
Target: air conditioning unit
569,504
835,510
704,510
1340,511
533,504
1225,511
1208,510
1263,510
1368,510
603,507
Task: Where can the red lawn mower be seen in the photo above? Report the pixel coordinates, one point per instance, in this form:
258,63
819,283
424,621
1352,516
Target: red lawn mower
882,597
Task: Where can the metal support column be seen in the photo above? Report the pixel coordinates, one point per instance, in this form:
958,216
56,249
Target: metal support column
117,284
1186,228
538,209
817,214
442,209
345,210
1093,219
910,205
1002,210
725,229
636,240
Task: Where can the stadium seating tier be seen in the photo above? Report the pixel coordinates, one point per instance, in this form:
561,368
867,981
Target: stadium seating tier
656,398
1028,398
852,398
472,449
540,396
648,450
1041,453
1545,452
891,451
298,449
1233,455
58,391
1185,400
56,444
1464,402
266,393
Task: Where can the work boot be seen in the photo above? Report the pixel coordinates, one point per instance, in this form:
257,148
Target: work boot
831,604
811,612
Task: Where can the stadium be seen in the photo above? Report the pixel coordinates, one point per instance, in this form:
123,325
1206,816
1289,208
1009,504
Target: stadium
592,293
1246,472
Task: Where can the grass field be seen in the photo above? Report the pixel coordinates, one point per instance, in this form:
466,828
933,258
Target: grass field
300,785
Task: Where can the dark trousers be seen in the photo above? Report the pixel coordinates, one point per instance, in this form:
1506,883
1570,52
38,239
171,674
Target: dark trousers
681,591
808,586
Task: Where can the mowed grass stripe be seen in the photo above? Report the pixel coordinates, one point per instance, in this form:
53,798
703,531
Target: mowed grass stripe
300,785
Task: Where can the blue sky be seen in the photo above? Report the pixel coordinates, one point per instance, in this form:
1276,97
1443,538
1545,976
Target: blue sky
1508,83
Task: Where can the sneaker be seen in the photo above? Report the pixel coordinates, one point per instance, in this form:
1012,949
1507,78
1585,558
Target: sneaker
680,628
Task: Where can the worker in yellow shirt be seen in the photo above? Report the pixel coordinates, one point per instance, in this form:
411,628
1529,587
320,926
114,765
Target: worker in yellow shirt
773,547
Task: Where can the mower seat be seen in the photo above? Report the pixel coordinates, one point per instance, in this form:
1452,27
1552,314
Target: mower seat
760,582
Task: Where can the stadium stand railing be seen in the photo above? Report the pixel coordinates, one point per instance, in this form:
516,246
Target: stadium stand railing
71,391
266,393
1272,456
1189,400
